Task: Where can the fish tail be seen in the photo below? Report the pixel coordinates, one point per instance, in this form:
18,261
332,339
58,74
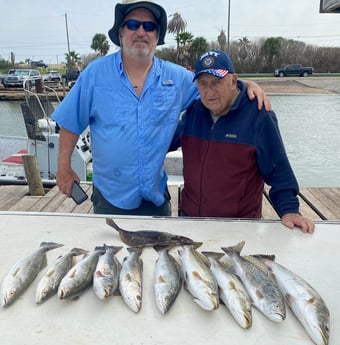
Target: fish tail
78,251
135,249
234,249
110,221
50,245
215,255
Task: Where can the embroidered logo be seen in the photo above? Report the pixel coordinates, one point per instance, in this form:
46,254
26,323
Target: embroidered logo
231,135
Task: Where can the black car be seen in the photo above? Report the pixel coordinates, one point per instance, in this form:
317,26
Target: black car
39,63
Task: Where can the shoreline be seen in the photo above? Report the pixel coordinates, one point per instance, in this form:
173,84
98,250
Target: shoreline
270,85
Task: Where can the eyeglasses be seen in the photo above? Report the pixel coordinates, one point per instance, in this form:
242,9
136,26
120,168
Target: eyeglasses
134,25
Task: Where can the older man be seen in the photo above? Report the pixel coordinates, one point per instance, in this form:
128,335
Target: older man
230,148
131,100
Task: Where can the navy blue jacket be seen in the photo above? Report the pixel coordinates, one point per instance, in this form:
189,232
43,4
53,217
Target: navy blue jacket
225,164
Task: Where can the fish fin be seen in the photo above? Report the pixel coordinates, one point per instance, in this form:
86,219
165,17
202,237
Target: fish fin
50,273
160,279
98,274
234,249
196,275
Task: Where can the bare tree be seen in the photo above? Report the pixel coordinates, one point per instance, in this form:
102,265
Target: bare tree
222,40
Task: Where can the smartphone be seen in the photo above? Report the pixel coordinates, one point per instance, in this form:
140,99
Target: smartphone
78,194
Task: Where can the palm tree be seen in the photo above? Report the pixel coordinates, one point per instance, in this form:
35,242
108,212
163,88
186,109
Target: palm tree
72,60
176,25
100,44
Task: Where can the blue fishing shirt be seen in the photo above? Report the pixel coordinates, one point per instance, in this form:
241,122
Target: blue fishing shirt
130,135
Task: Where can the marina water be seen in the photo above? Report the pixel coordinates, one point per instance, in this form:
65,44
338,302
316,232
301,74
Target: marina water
309,126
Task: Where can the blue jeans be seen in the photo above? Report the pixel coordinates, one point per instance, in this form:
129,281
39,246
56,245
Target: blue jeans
147,208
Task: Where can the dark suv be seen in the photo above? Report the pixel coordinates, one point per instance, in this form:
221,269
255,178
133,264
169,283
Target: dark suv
39,63
17,77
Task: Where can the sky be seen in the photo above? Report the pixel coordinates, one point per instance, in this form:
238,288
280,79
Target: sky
36,29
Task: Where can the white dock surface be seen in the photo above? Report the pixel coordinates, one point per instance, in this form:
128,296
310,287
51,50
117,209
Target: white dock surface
89,320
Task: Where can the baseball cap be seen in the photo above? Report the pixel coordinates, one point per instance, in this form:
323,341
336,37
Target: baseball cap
215,62
122,9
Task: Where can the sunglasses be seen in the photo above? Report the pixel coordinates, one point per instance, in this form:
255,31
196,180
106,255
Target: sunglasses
134,25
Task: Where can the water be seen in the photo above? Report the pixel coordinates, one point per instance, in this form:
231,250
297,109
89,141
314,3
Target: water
309,126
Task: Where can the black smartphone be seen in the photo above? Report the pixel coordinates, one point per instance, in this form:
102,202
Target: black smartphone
78,194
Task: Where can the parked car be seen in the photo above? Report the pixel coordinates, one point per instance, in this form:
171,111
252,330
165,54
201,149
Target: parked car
294,69
52,76
39,63
17,77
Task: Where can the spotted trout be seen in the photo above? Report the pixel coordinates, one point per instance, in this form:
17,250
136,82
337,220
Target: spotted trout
22,274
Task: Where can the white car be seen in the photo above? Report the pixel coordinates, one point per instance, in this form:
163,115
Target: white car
17,77
52,76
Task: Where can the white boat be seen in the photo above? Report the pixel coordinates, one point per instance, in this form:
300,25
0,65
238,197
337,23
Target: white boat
43,142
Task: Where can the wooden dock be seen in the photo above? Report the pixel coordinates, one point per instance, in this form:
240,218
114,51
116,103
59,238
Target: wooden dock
317,204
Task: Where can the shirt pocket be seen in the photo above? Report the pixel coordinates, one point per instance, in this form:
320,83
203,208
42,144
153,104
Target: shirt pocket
111,107
165,106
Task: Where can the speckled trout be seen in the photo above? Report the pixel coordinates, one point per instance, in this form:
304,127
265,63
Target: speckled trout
49,283
198,279
167,279
80,276
131,279
305,302
22,274
264,293
106,274
231,290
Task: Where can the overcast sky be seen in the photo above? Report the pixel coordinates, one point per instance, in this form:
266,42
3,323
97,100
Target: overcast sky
36,29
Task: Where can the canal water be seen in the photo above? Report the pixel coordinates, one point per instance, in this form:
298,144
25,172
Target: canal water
309,125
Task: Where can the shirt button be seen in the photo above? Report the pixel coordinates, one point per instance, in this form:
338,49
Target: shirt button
116,172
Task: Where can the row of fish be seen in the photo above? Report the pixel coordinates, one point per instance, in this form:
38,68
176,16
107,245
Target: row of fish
238,281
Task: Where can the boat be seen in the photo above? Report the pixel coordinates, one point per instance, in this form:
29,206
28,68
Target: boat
43,142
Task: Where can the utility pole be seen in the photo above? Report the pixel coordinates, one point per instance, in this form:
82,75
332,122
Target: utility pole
228,24
68,40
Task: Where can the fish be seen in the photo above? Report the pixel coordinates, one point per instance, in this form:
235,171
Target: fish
264,293
131,279
49,283
80,276
144,238
231,290
198,279
23,272
304,301
167,279
106,275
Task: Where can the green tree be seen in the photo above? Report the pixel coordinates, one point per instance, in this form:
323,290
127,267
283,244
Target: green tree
100,44
198,46
272,49
184,40
72,60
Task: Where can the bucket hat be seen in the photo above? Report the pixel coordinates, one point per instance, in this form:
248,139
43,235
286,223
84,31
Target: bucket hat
122,9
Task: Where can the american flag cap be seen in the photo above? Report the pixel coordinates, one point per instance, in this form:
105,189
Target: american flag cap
215,62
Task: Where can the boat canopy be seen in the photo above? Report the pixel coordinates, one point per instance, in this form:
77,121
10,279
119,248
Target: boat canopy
329,6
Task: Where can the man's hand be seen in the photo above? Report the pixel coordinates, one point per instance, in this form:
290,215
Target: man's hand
255,91
294,219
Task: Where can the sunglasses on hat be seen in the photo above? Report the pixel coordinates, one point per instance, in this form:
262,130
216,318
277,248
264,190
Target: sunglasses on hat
134,25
